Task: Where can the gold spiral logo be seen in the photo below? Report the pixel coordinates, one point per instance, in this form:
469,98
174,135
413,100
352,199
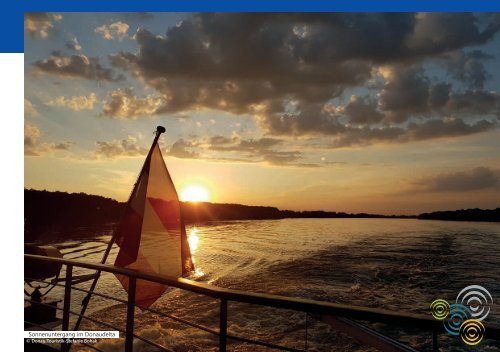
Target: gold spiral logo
440,309
472,332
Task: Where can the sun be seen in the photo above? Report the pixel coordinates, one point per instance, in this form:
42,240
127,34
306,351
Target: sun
195,193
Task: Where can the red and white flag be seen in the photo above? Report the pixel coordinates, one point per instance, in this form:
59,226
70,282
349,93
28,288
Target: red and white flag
151,236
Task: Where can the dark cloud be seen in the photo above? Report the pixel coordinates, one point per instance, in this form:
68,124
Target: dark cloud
324,120
236,144
476,179
284,158
451,127
269,150
236,61
75,66
218,141
363,110
474,103
439,94
236,149
39,24
120,148
431,129
406,92
62,146
180,149
315,119
435,33
433,107
287,69
409,92
468,67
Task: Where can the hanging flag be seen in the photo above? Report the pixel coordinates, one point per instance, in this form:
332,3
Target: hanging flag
151,236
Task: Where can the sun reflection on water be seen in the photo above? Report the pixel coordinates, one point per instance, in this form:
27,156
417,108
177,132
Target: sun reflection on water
193,240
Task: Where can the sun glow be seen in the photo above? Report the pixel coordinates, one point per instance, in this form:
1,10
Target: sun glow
195,193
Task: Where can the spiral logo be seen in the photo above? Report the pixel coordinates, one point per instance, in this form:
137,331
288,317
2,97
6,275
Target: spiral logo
478,299
458,314
472,332
440,309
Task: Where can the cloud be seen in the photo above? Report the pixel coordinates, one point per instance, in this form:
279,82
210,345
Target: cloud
451,127
76,103
29,109
61,146
195,72
120,148
432,129
117,30
474,103
180,150
236,149
442,32
409,108
468,67
122,103
31,136
73,44
236,144
76,67
362,110
312,119
33,146
285,158
406,92
320,51
293,72
39,24
258,150
478,178
409,92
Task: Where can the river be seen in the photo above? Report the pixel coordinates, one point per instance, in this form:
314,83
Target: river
396,264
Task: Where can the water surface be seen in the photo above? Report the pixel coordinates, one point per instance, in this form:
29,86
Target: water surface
396,264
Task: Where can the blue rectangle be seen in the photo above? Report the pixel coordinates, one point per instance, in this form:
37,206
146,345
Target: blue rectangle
12,12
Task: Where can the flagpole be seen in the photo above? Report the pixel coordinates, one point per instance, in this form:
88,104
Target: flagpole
86,300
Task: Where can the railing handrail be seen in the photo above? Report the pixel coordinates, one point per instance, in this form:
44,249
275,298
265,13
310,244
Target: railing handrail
270,300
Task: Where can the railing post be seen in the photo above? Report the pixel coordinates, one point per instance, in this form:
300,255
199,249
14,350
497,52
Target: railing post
435,347
129,332
223,325
67,303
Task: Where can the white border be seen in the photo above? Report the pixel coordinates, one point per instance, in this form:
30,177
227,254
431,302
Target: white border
12,201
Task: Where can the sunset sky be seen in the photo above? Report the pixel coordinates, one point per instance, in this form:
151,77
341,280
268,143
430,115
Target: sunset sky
380,113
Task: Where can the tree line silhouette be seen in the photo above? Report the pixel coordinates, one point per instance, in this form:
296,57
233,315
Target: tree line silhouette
51,215
476,214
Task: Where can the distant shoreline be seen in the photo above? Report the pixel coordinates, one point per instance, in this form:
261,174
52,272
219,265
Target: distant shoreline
59,212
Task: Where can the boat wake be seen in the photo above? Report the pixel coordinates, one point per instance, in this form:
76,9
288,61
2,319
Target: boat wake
399,265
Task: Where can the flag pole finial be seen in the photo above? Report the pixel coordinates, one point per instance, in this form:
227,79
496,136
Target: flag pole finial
160,130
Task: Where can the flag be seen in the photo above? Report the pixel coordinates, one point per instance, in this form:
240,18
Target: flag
151,236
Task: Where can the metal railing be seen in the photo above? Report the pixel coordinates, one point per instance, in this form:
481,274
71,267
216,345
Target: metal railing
338,315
